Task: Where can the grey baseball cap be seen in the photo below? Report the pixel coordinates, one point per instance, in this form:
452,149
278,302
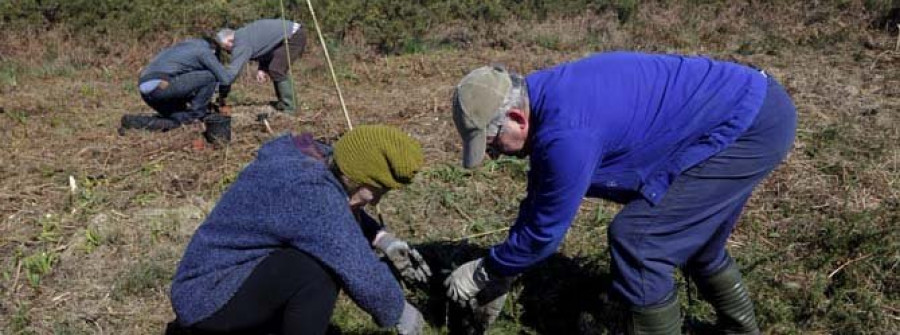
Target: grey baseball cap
477,101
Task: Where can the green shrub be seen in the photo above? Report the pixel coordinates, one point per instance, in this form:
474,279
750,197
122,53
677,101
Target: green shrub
391,26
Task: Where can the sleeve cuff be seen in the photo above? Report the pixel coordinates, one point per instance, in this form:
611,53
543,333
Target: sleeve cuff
495,267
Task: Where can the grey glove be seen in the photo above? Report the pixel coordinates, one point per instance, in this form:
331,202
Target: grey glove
411,321
406,260
466,281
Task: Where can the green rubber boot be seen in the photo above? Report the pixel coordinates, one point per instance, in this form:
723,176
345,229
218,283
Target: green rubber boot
661,319
284,90
726,292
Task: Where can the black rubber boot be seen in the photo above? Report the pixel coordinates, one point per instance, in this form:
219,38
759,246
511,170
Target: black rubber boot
660,319
146,122
725,290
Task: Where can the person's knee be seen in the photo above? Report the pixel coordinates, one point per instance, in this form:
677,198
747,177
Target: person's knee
316,277
639,285
708,265
277,75
620,229
645,295
324,289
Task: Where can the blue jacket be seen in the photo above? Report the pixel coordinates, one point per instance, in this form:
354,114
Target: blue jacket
284,199
620,126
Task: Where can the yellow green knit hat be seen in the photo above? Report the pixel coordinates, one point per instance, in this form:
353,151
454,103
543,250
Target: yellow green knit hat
379,156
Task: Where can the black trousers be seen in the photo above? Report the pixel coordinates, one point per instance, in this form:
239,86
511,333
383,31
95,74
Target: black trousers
289,292
276,62
185,98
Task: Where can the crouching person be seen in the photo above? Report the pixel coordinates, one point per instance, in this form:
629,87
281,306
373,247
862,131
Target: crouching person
179,84
291,232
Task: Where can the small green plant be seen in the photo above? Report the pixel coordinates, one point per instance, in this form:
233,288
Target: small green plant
550,42
414,46
145,199
163,226
142,279
39,265
129,87
20,319
89,197
151,168
53,70
92,239
88,90
9,75
227,179
602,216
516,168
345,73
447,173
18,116
49,229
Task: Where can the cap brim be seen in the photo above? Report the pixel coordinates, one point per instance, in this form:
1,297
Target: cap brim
474,146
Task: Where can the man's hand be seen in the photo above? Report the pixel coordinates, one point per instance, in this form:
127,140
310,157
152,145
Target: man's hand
261,76
220,101
406,260
223,94
411,321
470,285
466,281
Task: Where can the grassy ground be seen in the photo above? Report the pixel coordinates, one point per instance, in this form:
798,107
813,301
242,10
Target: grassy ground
819,241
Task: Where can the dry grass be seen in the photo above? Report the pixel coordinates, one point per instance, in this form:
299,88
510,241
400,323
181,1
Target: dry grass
819,239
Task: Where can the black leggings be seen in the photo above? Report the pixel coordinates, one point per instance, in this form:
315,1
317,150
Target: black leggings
289,292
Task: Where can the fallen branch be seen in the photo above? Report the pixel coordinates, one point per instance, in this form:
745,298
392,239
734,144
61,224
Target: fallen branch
877,57
462,213
15,285
480,234
268,128
897,46
847,263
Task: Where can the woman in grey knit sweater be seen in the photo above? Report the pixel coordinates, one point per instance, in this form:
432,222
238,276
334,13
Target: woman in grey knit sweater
290,232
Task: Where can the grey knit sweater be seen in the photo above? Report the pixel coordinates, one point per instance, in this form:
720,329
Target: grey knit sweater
187,56
255,40
284,199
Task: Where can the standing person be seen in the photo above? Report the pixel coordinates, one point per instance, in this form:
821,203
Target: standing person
178,84
680,141
291,231
263,41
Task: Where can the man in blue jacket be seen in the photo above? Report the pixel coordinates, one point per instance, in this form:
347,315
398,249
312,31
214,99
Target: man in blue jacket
680,141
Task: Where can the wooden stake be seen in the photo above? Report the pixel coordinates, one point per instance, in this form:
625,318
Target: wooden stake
481,234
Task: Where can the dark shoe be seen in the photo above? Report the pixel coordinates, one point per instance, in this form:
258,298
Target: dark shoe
146,122
726,292
660,319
